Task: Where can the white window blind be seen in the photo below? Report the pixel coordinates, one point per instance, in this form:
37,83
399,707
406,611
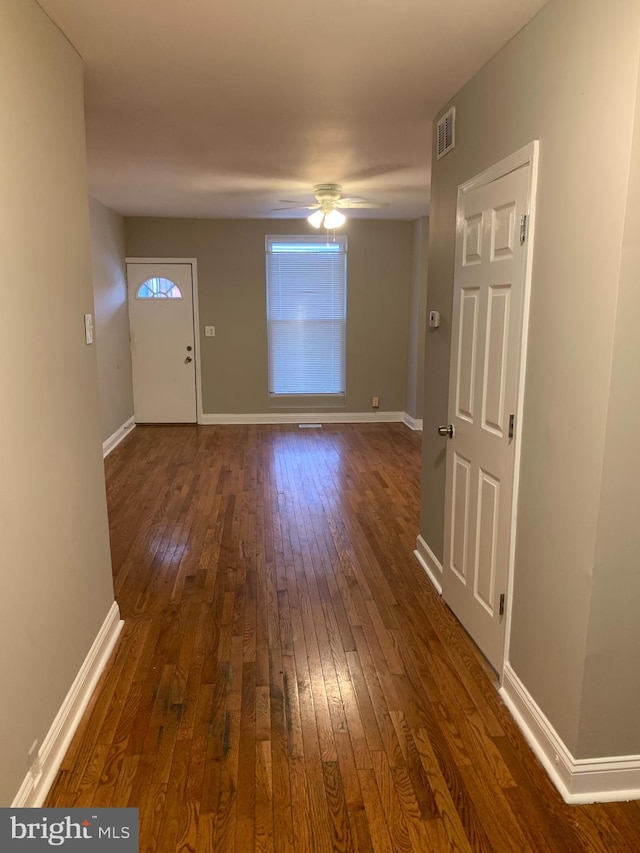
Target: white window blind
306,315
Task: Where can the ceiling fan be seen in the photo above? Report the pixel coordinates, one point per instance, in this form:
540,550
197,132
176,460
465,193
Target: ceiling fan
328,204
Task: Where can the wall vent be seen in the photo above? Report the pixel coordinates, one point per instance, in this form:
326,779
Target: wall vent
446,133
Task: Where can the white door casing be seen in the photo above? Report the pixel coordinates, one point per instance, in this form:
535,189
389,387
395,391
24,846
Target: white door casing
162,331
488,344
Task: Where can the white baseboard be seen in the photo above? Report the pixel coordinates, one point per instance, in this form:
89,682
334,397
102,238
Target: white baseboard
412,423
305,418
115,439
430,563
35,788
579,780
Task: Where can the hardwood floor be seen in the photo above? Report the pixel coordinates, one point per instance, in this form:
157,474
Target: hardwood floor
287,678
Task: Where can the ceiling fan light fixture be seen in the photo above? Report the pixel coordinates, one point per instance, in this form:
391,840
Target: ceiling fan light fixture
316,218
334,219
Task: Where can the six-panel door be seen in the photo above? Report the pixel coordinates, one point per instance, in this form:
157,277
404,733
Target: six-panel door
485,360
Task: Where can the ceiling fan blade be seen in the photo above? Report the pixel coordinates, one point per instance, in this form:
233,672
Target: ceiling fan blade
298,207
351,198
360,205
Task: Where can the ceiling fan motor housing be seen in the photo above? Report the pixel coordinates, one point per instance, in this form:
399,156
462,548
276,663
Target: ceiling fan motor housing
327,193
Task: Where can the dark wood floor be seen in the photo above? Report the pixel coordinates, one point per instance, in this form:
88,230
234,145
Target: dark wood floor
287,679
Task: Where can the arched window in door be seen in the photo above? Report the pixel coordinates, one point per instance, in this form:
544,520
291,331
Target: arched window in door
159,288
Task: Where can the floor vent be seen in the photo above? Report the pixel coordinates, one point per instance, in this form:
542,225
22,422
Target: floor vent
446,133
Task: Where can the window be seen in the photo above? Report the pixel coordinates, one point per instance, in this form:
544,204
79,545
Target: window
158,288
306,317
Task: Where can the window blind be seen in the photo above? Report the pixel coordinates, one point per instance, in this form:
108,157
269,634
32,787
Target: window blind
306,315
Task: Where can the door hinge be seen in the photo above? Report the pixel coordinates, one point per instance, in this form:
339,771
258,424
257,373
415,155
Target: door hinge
524,221
502,604
512,422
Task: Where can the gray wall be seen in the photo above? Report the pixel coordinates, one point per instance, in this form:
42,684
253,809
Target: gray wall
560,80
612,669
112,317
55,565
231,283
414,394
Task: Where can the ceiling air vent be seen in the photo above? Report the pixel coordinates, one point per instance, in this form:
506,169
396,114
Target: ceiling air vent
446,128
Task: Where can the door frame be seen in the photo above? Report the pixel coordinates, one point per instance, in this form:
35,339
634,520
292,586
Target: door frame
527,156
193,262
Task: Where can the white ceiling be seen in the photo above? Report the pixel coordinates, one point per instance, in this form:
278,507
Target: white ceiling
220,108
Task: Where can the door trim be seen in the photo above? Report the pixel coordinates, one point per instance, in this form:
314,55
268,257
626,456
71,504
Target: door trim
527,156
196,316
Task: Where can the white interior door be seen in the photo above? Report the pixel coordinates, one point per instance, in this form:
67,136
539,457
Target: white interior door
486,352
162,342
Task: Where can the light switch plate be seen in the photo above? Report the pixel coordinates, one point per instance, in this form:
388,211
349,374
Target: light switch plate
434,319
88,328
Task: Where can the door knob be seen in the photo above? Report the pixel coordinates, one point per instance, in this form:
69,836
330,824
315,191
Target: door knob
446,429
188,359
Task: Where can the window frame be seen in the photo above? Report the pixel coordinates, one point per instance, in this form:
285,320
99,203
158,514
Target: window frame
310,400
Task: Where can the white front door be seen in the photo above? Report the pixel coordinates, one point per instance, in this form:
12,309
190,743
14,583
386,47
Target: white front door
162,342
486,353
